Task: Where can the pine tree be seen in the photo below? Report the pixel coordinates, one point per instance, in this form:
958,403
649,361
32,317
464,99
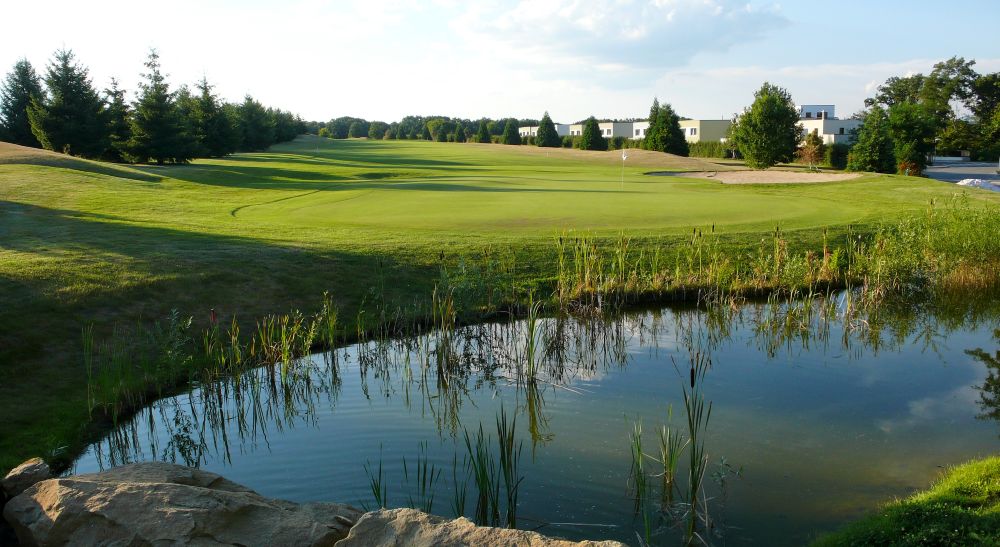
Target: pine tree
483,134
510,134
214,130
159,132
592,138
71,118
426,134
653,140
547,135
874,148
667,134
459,132
19,88
258,126
119,130
768,132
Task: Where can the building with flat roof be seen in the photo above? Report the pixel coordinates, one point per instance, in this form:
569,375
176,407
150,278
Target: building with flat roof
822,119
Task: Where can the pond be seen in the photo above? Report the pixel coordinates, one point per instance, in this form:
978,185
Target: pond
817,415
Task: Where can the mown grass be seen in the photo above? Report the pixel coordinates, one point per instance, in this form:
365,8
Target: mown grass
962,508
259,234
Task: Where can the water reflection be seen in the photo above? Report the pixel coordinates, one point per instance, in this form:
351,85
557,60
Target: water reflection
571,380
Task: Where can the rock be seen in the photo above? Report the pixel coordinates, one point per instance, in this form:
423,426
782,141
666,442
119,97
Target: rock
409,527
25,475
166,504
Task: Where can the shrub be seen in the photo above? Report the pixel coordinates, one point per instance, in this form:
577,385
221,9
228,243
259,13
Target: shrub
835,155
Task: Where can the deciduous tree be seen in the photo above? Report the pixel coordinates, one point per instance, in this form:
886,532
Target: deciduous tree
874,149
768,132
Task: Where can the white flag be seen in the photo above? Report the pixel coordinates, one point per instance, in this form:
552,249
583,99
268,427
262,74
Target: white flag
624,155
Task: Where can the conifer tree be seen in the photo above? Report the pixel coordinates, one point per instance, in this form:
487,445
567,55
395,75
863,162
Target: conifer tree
653,140
592,138
510,134
119,130
426,134
547,135
459,132
19,88
483,134
214,130
666,133
159,132
71,118
258,127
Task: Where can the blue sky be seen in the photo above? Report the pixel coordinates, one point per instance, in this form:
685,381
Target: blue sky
382,59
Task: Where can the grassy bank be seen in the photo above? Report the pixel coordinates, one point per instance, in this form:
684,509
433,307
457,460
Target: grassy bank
257,234
962,508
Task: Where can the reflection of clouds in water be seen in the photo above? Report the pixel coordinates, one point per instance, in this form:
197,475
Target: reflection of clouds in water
957,404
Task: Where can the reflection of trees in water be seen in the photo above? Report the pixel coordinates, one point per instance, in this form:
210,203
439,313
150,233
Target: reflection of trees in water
439,374
989,391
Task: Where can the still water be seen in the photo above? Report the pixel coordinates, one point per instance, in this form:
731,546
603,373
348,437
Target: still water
816,418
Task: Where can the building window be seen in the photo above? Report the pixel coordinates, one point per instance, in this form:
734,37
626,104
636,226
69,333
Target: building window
809,114
841,130
694,131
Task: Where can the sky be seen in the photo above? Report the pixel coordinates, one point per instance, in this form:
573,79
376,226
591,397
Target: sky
382,59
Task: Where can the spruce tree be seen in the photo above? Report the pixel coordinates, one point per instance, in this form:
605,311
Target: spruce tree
510,134
592,138
459,132
119,130
874,148
258,127
667,134
653,140
547,135
215,131
159,133
768,131
483,134
71,118
19,88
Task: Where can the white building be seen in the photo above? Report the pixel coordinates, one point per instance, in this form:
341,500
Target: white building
562,130
615,129
822,119
639,129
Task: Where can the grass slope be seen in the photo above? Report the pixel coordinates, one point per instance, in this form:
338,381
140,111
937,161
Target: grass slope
84,242
963,508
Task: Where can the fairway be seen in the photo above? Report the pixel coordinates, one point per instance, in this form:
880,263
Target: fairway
91,243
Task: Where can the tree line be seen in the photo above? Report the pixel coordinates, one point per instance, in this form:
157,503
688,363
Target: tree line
951,110
64,112
664,133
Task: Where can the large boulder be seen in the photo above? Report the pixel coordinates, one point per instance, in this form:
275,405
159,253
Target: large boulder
165,504
25,475
409,527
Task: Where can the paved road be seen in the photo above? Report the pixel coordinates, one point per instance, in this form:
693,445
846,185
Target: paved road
954,172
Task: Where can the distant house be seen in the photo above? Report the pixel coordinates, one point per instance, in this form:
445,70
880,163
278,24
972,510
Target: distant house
562,130
822,119
694,130
616,129
705,130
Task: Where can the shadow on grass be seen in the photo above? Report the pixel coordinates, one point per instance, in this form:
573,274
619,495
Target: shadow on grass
67,269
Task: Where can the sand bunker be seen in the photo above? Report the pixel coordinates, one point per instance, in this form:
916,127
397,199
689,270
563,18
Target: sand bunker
762,177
